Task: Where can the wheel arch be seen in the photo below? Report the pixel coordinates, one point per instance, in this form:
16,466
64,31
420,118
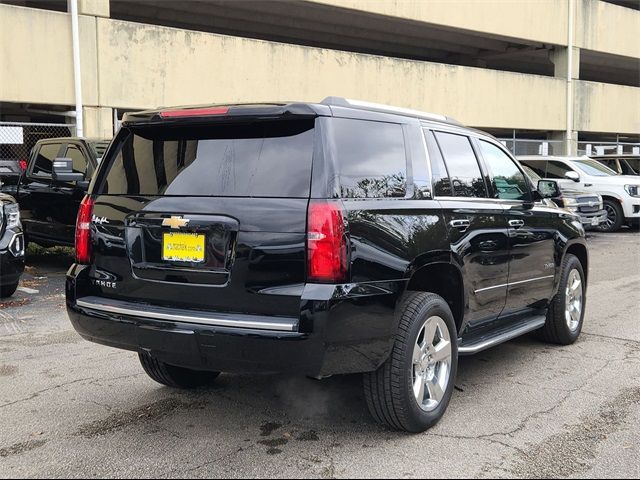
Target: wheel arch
444,279
580,250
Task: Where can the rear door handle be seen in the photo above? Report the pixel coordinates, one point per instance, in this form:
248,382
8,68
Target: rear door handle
516,223
461,224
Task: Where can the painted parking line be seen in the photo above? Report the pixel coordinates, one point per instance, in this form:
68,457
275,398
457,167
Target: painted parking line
29,291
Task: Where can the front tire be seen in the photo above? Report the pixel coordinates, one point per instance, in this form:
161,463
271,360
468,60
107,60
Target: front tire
566,312
615,216
412,389
175,377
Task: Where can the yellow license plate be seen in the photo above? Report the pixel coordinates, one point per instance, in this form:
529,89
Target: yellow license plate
183,247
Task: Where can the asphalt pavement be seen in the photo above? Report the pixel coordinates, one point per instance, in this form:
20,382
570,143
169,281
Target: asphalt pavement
69,408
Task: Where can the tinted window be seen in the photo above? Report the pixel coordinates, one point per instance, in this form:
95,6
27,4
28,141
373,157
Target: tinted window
556,169
79,161
539,167
44,159
441,182
509,182
371,158
260,160
462,165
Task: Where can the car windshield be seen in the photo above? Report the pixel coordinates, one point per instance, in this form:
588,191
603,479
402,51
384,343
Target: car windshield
594,168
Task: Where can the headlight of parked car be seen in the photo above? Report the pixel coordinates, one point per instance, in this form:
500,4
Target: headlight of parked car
570,204
12,215
600,202
633,190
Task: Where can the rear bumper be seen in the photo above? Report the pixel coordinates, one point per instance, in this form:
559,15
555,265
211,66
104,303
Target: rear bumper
341,329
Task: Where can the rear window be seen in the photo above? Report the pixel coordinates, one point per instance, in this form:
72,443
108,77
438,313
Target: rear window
371,158
267,159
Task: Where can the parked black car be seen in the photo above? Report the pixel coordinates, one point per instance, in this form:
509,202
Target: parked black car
588,206
49,206
325,239
11,246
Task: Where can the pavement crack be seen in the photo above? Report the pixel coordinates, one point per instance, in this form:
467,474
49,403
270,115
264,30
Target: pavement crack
40,392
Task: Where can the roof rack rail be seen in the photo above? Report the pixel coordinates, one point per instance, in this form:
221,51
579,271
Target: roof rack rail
379,107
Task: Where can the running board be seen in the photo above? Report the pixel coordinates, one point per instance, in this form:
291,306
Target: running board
476,344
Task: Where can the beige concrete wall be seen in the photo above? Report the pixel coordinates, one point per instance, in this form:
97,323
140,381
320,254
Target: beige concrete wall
608,28
537,20
36,63
599,26
128,65
181,67
602,107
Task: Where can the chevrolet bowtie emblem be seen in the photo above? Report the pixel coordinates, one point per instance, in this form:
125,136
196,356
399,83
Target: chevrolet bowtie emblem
175,222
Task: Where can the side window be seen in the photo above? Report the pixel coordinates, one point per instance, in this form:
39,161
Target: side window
371,158
539,167
44,160
462,165
556,169
440,177
79,160
509,183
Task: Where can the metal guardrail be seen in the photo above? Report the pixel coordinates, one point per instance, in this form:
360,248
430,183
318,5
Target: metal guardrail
533,147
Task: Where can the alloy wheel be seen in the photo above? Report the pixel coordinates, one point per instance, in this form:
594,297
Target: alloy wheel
573,300
431,363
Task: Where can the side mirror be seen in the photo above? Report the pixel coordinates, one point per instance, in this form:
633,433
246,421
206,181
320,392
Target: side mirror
572,176
63,171
548,189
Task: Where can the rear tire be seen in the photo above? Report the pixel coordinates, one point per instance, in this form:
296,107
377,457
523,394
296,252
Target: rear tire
565,316
8,290
615,216
175,377
426,333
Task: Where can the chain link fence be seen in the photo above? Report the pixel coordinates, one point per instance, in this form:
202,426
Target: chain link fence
18,138
533,147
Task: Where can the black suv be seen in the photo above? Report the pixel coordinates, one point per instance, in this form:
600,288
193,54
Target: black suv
324,239
49,204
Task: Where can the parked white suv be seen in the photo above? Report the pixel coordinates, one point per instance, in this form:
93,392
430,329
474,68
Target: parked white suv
620,193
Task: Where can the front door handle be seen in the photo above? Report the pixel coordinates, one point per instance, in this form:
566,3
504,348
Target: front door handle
461,224
516,223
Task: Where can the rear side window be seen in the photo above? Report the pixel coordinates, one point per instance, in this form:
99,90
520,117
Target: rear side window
265,159
371,158
462,164
441,182
44,159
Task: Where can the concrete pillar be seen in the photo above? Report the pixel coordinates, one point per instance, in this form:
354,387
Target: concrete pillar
569,145
98,122
95,8
560,59
559,56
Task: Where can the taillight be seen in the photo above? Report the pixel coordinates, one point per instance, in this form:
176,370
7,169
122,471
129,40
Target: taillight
327,255
23,165
83,231
195,112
